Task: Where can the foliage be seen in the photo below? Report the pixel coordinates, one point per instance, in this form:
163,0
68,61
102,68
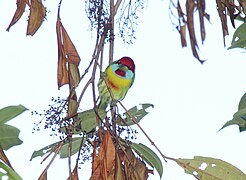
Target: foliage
209,168
239,118
8,138
9,134
108,135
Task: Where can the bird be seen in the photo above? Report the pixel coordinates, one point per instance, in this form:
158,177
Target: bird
119,77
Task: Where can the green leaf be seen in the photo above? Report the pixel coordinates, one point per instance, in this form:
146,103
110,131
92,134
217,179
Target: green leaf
64,150
242,103
204,168
10,112
135,112
237,120
10,173
87,121
9,136
238,117
149,156
239,38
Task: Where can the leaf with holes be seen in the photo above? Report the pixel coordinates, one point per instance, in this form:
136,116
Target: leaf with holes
138,114
204,168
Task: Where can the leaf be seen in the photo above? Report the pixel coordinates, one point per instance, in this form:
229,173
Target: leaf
76,142
103,163
10,112
222,14
149,156
63,152
75,175
137,113
36,17
190,7
204,168
242,103
21,5
134,167
238,117
239,38
68,58
9,172
72,104
9,136
87,121
4,158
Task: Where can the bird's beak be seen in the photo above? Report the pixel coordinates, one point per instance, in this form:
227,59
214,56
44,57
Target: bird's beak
123,67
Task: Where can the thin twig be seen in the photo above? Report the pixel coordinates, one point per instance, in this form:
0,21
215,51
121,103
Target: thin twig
147,136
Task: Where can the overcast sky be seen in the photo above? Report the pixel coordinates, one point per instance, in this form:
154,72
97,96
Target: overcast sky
191,101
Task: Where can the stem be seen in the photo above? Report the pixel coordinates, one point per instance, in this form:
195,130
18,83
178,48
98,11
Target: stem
150,140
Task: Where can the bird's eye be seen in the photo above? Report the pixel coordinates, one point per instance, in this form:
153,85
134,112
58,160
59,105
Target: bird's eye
119,62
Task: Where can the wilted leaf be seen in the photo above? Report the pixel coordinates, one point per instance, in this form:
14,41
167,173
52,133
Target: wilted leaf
204,168
75,175
72,104
119,174
43,176
134,167
36,17
64,150
21,5
4,158
68,57
10,112
9,136
239,38
238,117
9,172
190,6
137,113
149,156
103,163
222,14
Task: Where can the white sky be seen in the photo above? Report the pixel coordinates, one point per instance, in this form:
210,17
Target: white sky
192,101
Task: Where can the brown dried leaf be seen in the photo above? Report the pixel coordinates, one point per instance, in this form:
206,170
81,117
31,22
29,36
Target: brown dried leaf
222,14
43,176
231,9
75,175
182,32
190,6
74,76
201,10
68,58
182,25
134,167
243,4
119,170
4,158
103,164
72,104
21,5
37,15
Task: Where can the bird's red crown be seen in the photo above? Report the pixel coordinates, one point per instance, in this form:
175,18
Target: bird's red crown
127,61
